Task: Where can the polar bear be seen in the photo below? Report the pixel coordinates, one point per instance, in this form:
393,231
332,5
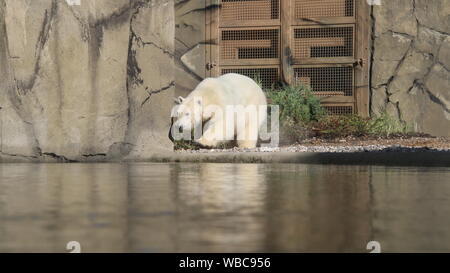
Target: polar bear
230,107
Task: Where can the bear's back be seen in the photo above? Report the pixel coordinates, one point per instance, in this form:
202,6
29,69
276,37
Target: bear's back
237,79
243,89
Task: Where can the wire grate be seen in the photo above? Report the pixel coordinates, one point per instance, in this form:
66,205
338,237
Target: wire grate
268,77
244,10
336,110
305,9
249,44
323,42
327,81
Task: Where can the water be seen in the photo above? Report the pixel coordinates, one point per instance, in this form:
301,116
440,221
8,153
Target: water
147,207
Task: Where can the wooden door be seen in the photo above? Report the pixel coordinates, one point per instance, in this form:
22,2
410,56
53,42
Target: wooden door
320,43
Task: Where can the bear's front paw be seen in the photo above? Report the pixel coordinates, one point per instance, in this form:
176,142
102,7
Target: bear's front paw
206,143
248,144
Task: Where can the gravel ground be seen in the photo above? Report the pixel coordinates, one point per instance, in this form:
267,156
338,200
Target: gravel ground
410,144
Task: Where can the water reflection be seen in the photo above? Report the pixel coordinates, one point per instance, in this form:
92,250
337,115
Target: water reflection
222,208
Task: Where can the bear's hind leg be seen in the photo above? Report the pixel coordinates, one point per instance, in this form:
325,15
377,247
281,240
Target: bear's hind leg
248,138
247,144
208,140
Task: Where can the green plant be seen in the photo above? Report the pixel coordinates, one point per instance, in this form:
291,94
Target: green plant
292,132
298,108
356,126
297,103
257,78
385,125
341,126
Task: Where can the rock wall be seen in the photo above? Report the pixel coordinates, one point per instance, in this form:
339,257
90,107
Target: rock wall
85,82
411,63
189,44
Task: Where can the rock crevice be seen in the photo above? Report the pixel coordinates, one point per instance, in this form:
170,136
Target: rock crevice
409,80
72,77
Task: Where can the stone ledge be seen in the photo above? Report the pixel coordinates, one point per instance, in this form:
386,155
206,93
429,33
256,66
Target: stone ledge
418,159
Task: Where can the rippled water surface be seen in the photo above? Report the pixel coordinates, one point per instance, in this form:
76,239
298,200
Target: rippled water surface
146,207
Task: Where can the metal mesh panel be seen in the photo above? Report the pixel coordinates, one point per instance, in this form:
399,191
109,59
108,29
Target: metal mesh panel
323,8
267,76
244,10
323,42
327,81
249,44
336,110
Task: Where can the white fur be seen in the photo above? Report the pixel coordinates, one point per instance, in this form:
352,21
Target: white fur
226,90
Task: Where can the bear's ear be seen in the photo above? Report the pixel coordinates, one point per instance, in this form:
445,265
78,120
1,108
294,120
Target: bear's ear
179,100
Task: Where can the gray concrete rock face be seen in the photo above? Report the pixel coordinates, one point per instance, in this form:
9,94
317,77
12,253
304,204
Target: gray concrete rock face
410,70
189,44
93,81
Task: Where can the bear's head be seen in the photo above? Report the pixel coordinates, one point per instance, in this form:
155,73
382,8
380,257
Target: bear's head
187,118
194,111
188,113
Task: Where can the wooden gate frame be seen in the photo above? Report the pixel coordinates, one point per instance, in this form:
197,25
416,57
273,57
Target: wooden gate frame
360,98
